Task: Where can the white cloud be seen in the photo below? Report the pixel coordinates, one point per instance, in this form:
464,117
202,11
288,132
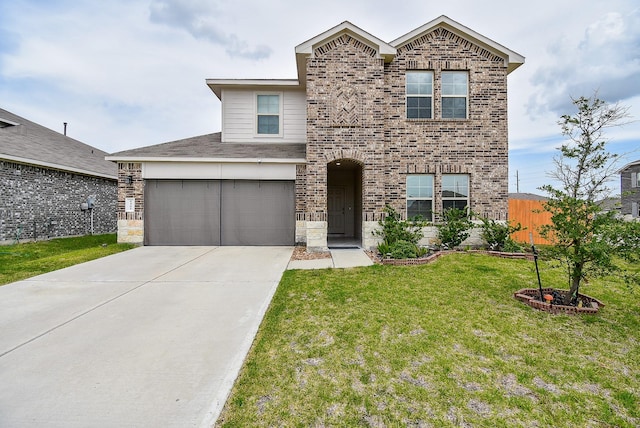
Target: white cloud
204,20
606,59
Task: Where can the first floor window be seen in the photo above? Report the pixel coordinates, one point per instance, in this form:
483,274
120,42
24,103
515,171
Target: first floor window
455,191
454,94
268,111
420,196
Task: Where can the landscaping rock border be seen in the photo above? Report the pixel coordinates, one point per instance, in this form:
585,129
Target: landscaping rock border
434,256
529,296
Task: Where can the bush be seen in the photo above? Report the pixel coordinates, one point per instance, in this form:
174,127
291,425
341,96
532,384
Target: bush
400,237
455,228
498,235
511,246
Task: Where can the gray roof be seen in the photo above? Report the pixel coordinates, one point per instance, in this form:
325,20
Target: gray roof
210,146
27,142
527,196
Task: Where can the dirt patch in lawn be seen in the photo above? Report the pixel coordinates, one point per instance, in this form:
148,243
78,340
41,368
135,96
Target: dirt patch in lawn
300,253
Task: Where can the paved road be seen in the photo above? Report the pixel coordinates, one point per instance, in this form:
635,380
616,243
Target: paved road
152,337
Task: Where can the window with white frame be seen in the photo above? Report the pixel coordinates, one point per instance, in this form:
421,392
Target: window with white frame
635,179
455,89
268,112
420,196
419,91
455,191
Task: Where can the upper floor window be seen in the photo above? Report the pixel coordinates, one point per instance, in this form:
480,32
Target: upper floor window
454,94
455,191
268,114
420,196
419,94
635,179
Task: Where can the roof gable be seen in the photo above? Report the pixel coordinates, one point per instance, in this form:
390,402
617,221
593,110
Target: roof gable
512,59
382,49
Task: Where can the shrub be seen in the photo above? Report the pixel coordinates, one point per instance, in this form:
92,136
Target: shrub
400,237
498,234
455,228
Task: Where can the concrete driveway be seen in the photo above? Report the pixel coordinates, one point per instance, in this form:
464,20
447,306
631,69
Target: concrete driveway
152,337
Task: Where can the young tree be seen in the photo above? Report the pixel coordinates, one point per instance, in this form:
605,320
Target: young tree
586,240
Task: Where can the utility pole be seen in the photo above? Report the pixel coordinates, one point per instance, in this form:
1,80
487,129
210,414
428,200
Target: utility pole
517,182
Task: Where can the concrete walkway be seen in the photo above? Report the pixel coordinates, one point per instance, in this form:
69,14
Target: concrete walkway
152,337
340,258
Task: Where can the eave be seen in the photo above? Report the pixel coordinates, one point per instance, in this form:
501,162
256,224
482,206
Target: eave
217,85
58,167
205,160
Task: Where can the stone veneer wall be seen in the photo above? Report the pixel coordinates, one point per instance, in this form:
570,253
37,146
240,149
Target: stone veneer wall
41,203
356,110
130,225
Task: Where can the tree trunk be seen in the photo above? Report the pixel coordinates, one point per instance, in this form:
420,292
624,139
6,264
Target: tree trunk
576,277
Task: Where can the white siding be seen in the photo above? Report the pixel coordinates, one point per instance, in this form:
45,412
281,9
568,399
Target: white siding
238,117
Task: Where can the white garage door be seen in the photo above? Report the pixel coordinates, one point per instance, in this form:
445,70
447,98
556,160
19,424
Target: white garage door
219,212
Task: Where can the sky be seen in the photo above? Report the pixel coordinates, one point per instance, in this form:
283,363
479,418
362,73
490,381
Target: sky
131,73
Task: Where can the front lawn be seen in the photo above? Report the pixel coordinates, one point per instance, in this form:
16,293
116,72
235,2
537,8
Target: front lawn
21,261
438,345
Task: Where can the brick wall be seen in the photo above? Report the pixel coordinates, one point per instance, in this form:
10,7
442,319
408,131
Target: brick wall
356,110
40,203
345,76
130,224
476,146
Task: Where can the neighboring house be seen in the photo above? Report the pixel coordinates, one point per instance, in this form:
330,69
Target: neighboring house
528,210
45,177
630,188
419,123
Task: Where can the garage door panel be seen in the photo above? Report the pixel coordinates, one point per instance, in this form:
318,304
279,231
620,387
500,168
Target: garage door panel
258,213
182,212
215,212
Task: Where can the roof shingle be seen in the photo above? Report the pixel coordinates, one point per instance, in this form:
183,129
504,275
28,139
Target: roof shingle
26,141
210,146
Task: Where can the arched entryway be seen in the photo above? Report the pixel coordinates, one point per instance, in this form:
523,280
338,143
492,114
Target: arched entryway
344,203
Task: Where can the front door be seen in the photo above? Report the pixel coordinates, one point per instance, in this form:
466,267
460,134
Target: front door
335,207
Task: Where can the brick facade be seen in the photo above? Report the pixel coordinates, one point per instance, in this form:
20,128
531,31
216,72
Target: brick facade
130,185
356,110
41,203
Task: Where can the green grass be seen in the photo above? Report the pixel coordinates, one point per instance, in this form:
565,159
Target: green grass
439,345
21,261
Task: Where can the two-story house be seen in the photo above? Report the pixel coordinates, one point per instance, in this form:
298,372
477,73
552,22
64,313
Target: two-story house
630,188
419,123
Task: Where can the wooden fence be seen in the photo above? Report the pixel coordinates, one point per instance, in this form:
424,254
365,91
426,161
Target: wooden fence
531,215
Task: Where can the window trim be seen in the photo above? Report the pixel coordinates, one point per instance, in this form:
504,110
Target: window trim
407,96
467,198
432,198
466,95
256,114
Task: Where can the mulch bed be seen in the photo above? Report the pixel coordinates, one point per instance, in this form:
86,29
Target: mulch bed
300,253
436,255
